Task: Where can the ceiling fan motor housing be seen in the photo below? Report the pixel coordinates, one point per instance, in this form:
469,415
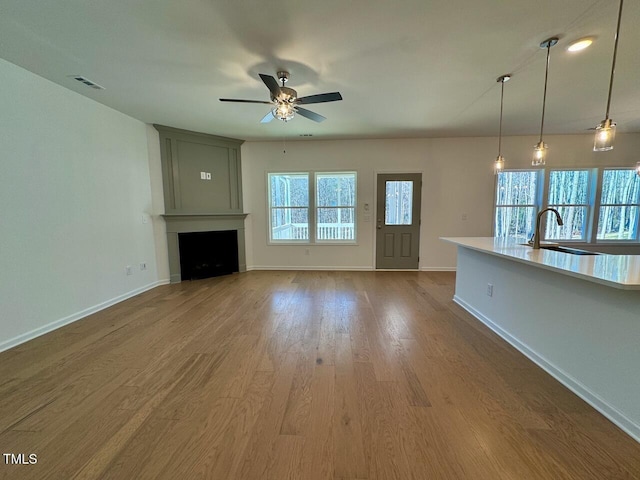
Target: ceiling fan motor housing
287,95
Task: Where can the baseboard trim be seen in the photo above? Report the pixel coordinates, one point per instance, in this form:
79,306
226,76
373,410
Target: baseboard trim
309,268
350,269
613,414
49,327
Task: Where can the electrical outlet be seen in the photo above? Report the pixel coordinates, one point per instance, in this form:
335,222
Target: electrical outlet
145,218
143,266
489,290
464,217
203,175
129,270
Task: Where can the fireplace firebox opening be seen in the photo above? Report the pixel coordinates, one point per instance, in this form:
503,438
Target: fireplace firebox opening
208,254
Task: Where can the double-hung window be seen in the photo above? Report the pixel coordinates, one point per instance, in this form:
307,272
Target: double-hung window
289,206
619,205
335,206
569,193
516,203
318,211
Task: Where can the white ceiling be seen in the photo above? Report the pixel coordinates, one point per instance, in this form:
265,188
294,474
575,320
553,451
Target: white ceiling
407,68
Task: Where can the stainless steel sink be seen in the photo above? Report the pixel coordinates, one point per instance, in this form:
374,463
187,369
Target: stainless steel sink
572,251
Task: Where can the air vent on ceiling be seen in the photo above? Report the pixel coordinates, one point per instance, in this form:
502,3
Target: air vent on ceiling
306,134
86,81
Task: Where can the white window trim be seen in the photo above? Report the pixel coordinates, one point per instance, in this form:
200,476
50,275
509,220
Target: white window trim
590,205
540,173
312,208
594,194
598,204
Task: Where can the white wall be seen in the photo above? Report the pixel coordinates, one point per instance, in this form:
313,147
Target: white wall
457,179
74,185
583,333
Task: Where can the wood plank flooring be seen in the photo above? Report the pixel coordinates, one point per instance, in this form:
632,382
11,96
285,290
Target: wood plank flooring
295,375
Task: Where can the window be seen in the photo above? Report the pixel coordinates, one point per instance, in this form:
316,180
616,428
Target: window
336,202
619,205
516,203
569,194
289,205
399,203
611,216
328,205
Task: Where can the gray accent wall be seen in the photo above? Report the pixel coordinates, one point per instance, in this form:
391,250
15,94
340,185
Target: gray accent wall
185,155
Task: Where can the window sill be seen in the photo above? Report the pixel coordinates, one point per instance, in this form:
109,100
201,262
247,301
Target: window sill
312,244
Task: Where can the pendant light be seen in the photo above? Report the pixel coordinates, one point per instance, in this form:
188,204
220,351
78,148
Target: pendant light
540,148
606,130
498,165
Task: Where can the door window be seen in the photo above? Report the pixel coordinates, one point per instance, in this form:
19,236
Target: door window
398,203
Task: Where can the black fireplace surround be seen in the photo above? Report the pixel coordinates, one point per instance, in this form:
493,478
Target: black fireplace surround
208,254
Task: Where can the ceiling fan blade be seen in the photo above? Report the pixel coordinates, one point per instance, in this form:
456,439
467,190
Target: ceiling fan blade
244,101
320,98
267,118
272,85
310,115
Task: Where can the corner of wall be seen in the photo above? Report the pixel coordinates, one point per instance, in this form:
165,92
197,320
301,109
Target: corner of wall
157,204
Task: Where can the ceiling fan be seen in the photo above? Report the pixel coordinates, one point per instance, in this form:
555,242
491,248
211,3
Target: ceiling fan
285,101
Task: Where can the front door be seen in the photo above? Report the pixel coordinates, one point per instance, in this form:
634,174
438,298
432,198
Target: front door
398,220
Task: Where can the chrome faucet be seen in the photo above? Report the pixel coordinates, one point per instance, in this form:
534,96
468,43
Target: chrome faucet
535,240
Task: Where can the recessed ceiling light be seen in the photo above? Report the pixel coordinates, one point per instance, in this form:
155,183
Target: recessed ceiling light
580,44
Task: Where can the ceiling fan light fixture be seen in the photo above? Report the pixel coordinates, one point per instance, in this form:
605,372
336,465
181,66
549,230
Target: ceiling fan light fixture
606,130
285,103
283,111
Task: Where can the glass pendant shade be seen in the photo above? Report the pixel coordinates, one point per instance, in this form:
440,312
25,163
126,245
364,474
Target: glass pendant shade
539,154
498,165
605,135
606,130
540,149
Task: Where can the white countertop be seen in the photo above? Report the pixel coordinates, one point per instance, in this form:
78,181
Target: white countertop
619,271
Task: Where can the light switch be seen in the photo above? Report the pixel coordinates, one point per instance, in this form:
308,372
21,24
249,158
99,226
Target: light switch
203,175
208,176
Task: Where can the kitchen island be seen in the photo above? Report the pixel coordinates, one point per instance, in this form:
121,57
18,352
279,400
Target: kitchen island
577,317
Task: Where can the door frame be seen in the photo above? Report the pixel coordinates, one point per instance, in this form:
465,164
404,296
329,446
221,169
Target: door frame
375,213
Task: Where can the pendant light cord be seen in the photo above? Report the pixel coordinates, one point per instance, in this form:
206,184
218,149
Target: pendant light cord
500,131
613,64
544,96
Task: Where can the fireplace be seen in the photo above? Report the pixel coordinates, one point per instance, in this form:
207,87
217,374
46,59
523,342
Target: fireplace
202,187
219,238
208,254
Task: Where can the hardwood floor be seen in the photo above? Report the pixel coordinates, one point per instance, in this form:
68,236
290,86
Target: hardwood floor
295,375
